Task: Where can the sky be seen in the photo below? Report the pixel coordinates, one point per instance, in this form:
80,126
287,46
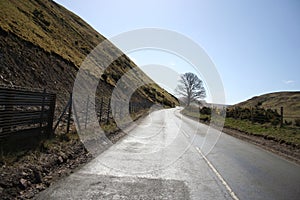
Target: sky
254,44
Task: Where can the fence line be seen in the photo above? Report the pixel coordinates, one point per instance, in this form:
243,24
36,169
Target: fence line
28,108
260,115
103,109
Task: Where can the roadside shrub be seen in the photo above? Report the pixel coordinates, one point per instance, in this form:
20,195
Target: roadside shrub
260,116
275,122
245,114
256,114
297,122
205,119
205,111
288,123
104,77
258,104
115,76
229,112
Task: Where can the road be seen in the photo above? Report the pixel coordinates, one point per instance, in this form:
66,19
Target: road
169,156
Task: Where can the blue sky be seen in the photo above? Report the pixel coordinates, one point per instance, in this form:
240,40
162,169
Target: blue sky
254,44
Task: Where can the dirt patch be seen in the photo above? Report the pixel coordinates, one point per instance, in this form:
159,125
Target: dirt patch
92,186
25,174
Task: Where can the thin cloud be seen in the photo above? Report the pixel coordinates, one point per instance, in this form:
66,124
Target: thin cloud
289,82
172,63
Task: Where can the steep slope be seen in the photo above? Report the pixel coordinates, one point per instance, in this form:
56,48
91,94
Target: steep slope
42,46
49,26
290,101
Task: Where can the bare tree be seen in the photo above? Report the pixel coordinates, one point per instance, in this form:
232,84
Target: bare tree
190,87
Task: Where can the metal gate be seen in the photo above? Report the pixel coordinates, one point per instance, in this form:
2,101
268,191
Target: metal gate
23,112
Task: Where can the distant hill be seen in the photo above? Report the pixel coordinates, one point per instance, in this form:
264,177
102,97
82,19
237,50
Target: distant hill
290,101
42,45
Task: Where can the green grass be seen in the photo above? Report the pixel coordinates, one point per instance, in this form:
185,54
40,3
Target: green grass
286,134
289,135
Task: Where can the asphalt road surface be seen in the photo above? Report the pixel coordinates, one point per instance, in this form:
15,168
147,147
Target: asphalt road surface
169,156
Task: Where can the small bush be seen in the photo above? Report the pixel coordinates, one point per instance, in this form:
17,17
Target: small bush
297,122
288,123
205,119
275,122
205,111
104,77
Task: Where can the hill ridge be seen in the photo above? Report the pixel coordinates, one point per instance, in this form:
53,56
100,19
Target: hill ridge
289,100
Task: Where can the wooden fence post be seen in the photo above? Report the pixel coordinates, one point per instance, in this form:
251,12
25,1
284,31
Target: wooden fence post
87,110
51,114
235,113
70,112
115,110
281,116
252,117
101,107
108,110
129,107
42,109
132,107
76,116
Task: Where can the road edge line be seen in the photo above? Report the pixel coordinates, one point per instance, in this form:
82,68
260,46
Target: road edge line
232,194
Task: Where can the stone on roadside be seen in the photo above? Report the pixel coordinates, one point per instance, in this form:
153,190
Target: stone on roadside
24,183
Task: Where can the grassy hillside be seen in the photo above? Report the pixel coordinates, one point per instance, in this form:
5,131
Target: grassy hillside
50,26
290,101
43,45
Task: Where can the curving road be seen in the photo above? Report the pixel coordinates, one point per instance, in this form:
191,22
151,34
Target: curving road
169,156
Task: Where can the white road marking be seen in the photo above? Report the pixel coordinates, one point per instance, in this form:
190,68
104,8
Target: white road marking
232,194
184,133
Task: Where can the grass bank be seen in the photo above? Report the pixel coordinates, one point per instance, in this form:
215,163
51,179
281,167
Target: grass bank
286,134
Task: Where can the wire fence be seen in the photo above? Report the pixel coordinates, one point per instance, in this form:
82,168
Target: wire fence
105,111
